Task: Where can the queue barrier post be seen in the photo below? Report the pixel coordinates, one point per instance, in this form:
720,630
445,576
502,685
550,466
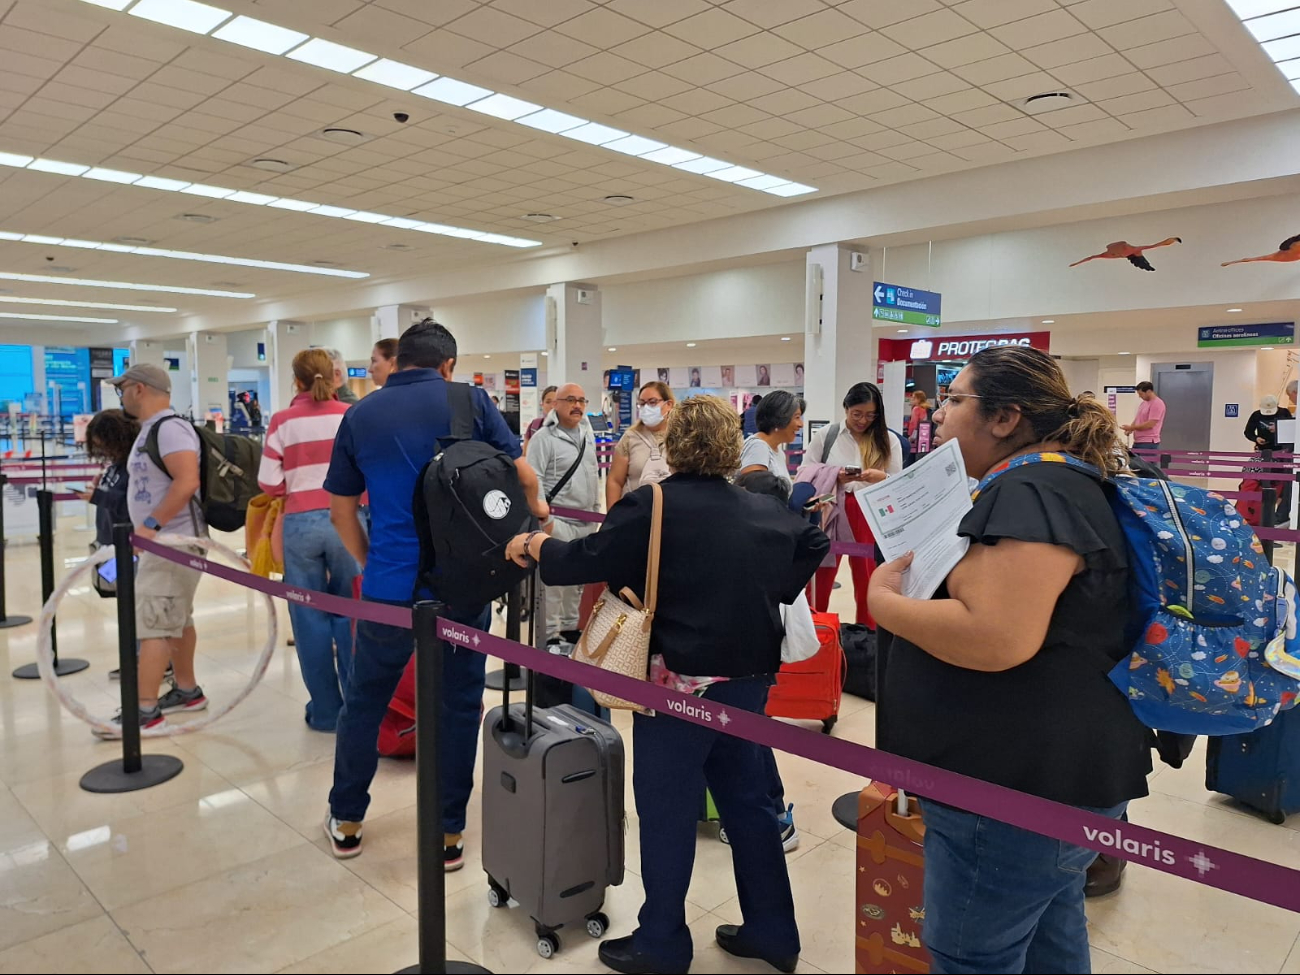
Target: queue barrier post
1268,506
511,674
7,621
68,665
432,879
135,770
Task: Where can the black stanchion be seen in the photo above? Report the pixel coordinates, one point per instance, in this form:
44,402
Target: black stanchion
7,621
68,665
428,799
135,770
496,679
1166,460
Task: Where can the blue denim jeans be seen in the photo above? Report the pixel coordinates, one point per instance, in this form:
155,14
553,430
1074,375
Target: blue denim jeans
1002,899
314,558
673,761
381,656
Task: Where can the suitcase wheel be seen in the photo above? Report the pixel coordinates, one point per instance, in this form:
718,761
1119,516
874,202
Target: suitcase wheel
497,896
548,945
597,925
1277,817
829,723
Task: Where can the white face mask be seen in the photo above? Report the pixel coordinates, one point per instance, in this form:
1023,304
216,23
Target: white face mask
652,416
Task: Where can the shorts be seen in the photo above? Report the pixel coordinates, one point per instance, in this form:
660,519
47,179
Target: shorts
164,598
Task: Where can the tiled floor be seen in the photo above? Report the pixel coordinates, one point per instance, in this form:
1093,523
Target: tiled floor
224,869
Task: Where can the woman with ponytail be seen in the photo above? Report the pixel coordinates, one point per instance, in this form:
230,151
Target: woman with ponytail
1002,675
295,457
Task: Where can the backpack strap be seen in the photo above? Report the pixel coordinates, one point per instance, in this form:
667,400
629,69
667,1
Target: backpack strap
1043,458
460,400
155,454
832,434
151,443
568,475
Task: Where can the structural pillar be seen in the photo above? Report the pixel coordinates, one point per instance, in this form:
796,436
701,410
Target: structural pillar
390,321
839,343
209,372
574,337
284,340
147,352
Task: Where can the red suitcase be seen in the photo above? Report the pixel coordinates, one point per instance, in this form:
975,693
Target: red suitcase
891,871
812,688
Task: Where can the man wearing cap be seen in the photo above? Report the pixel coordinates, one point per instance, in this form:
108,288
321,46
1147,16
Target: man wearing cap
163,500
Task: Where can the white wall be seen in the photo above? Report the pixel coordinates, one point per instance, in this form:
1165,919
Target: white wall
351,336
242,348
504,323
1234,382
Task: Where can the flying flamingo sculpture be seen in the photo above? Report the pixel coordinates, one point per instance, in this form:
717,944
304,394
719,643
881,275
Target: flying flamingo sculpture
1285,254
1131,252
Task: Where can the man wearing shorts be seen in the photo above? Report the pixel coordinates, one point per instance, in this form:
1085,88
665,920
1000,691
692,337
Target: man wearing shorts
163,501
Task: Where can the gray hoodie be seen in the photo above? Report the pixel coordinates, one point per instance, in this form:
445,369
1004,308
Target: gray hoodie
552,452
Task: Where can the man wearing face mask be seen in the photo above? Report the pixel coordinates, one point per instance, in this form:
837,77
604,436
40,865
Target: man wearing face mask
563,453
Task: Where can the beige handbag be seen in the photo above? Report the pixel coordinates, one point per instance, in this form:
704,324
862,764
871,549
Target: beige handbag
617,637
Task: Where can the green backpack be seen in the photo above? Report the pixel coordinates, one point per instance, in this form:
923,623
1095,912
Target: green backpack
228,466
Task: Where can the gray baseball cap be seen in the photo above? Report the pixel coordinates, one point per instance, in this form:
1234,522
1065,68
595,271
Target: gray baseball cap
150,375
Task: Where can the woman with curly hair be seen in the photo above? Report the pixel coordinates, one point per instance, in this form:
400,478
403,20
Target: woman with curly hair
729,559
109,438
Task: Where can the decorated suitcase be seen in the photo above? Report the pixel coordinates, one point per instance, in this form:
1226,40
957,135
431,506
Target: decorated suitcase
891,868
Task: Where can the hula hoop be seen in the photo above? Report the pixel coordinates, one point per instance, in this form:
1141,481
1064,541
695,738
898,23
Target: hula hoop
45,652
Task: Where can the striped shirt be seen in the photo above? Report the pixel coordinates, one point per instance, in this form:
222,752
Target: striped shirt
296,455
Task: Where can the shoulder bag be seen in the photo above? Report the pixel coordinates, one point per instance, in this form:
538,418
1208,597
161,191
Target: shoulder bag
617,637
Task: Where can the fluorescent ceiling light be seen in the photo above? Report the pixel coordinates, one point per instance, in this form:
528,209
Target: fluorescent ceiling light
1123,353
503,106
509,241
334,57
636,145
111,4
189,256
762,182
549,120
453,92
593,133
331,211
402,223
1049,321
702,165
160,183
449,231
260,36
61,303
791,189
395,74
257,199
199,18
202,189
120,285
733,174
364,216
111,175
59,318
54,166
1270,28
284,203
671,156
1257,8
14,159
1291,69
1283,49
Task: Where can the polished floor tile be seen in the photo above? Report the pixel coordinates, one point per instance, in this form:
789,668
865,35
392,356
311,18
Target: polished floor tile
95,946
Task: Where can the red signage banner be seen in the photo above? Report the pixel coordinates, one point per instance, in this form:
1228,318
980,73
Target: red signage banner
944,348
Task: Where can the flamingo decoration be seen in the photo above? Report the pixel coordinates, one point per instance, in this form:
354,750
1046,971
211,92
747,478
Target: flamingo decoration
1131,252
1285,254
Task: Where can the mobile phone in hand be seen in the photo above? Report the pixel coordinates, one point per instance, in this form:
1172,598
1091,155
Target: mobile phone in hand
816,502
853,471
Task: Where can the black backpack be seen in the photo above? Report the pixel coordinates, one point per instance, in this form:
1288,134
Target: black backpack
228,466
468,504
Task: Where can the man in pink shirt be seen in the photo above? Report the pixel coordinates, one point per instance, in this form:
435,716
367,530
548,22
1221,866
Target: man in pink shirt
1150,418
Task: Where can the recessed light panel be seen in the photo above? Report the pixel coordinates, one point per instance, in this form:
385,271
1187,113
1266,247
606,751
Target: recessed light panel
260,36
453,92
58,318
61,303
198,18
120,285
395,74
334,57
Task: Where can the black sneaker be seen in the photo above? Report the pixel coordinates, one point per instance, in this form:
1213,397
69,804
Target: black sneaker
148,719
453,852
344,837
179,700
170,675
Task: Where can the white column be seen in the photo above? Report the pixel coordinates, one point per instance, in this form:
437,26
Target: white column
839,345
575,340
284,340
147,352
390,321
209,369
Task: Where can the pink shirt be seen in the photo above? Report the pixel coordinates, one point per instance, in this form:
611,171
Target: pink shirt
1149,409
296,455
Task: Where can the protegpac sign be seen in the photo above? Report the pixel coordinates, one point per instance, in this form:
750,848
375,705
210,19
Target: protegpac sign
956,347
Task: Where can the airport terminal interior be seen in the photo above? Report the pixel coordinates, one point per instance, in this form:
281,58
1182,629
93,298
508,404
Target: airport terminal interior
729,197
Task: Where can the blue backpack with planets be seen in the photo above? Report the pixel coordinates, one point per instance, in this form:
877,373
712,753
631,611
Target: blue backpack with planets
1213,624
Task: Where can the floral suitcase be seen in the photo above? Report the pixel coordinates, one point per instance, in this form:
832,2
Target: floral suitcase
891,868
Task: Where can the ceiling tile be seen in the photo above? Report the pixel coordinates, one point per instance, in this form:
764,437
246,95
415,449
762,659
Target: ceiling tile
820,116
837,86
712,28
1034,31
958,140
703,69
905,67
1167,52
907,150
829,151
991,13
1095,69
994,69
759,49
965,50
602,27
746,86
865,49
657,14
765,13
606,68
1014,89
1191,70
785,101
656,49
27,64
507,68
929,29
990,115
1141,101
546,14
115,63
882,13
821,29
734,116
931,86
559,85
697,101
654,85
805,140
1148,30
448,50
961,101
1068,51
1167,117
1126,84
607,101
1104,13
870,102
1012,127
1208,87
32,42
1065,117
374,23
932,129
801,69
54,22
1100,130
1044,141
985,152
688,129
553,48
904,115
493,26
1225,106
771,128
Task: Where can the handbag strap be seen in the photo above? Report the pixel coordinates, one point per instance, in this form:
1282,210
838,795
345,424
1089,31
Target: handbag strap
656,540
568,475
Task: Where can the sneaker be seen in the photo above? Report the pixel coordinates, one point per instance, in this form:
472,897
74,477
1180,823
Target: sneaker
170,675
179,700
148,719
789,835
344,837
453,852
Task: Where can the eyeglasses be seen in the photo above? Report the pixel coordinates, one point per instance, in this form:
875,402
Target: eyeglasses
649,402
573,400
855,415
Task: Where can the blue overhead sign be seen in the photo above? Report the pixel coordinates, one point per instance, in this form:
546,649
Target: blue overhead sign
1219,336
910,306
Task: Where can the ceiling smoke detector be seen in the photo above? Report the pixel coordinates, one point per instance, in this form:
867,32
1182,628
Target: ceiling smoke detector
1047,101
272,165
197,218
347,137
539,217
619,199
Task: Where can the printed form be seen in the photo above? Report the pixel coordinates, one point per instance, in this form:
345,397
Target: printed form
918,510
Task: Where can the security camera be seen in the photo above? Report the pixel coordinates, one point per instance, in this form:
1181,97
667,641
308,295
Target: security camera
401,117
50,259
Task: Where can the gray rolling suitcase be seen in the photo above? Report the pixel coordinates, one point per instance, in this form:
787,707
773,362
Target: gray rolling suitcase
553,814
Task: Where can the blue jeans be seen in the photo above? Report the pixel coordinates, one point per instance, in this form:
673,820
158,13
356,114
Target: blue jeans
381,656
314,558
1002,899
673,761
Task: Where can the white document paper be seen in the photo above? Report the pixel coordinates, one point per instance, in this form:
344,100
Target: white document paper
1286,432
918,510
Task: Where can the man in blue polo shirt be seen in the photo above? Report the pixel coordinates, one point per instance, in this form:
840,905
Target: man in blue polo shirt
382,445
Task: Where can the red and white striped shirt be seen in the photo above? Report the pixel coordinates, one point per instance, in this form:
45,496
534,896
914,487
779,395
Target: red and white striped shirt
296,455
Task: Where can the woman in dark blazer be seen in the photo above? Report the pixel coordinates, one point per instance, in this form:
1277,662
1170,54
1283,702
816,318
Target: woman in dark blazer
729,560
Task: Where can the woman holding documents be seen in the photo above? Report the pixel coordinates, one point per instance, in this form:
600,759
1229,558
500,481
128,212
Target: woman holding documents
864,452
1002,675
